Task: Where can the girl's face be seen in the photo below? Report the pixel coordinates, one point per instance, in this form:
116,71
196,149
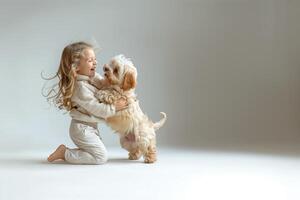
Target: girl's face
87,64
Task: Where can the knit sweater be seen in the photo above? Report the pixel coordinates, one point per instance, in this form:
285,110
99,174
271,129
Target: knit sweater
86,106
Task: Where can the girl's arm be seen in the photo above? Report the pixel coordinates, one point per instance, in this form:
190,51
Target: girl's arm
86,99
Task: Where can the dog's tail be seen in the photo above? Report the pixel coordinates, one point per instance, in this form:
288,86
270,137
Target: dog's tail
161,122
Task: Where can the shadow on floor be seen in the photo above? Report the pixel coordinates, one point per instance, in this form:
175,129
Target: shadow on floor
124,161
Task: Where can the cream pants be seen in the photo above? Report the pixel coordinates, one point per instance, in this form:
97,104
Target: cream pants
91,149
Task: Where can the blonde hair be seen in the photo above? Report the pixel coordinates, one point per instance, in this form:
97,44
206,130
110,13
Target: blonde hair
62,92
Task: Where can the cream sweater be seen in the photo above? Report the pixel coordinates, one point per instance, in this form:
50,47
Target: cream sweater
87,106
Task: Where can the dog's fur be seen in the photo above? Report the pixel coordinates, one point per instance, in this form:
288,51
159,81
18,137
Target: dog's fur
136,131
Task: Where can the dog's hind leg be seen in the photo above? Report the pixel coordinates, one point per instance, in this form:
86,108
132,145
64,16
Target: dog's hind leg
134,151
134,154
150,156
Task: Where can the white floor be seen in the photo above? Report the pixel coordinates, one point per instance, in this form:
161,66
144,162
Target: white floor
178,174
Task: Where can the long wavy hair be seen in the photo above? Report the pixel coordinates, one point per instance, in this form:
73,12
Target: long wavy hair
60,94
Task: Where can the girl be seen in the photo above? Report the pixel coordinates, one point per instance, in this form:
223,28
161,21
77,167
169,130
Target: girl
76,95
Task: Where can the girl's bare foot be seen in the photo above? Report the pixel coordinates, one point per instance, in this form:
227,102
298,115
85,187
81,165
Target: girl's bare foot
59,153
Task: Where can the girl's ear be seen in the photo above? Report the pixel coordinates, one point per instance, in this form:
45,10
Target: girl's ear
74,70
75,67
129,81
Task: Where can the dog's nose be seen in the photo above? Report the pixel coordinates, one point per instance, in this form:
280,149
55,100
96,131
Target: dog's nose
105,68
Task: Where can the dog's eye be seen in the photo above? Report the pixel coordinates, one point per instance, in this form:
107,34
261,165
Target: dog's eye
116,70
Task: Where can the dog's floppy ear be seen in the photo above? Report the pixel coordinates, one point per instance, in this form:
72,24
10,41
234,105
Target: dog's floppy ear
129,81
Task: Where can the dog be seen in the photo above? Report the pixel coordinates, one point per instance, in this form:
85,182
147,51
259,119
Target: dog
136,130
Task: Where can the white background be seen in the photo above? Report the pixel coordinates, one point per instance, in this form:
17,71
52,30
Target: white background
226,72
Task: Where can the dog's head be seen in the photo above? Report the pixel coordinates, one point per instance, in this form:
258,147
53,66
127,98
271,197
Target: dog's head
121,71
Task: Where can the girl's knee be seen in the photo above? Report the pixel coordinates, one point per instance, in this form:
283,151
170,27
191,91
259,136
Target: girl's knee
101,159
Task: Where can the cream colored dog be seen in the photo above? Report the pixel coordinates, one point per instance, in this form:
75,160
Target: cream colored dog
136,131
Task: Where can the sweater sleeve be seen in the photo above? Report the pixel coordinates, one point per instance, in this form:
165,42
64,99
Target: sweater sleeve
86,99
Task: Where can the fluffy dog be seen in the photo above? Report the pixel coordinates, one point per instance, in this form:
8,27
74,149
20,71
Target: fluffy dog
136,131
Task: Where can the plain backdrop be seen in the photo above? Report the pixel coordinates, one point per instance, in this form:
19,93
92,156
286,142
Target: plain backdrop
226,72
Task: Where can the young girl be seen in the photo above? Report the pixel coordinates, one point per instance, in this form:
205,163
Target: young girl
76,95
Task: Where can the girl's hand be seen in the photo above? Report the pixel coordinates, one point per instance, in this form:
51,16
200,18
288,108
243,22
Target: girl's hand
120,104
